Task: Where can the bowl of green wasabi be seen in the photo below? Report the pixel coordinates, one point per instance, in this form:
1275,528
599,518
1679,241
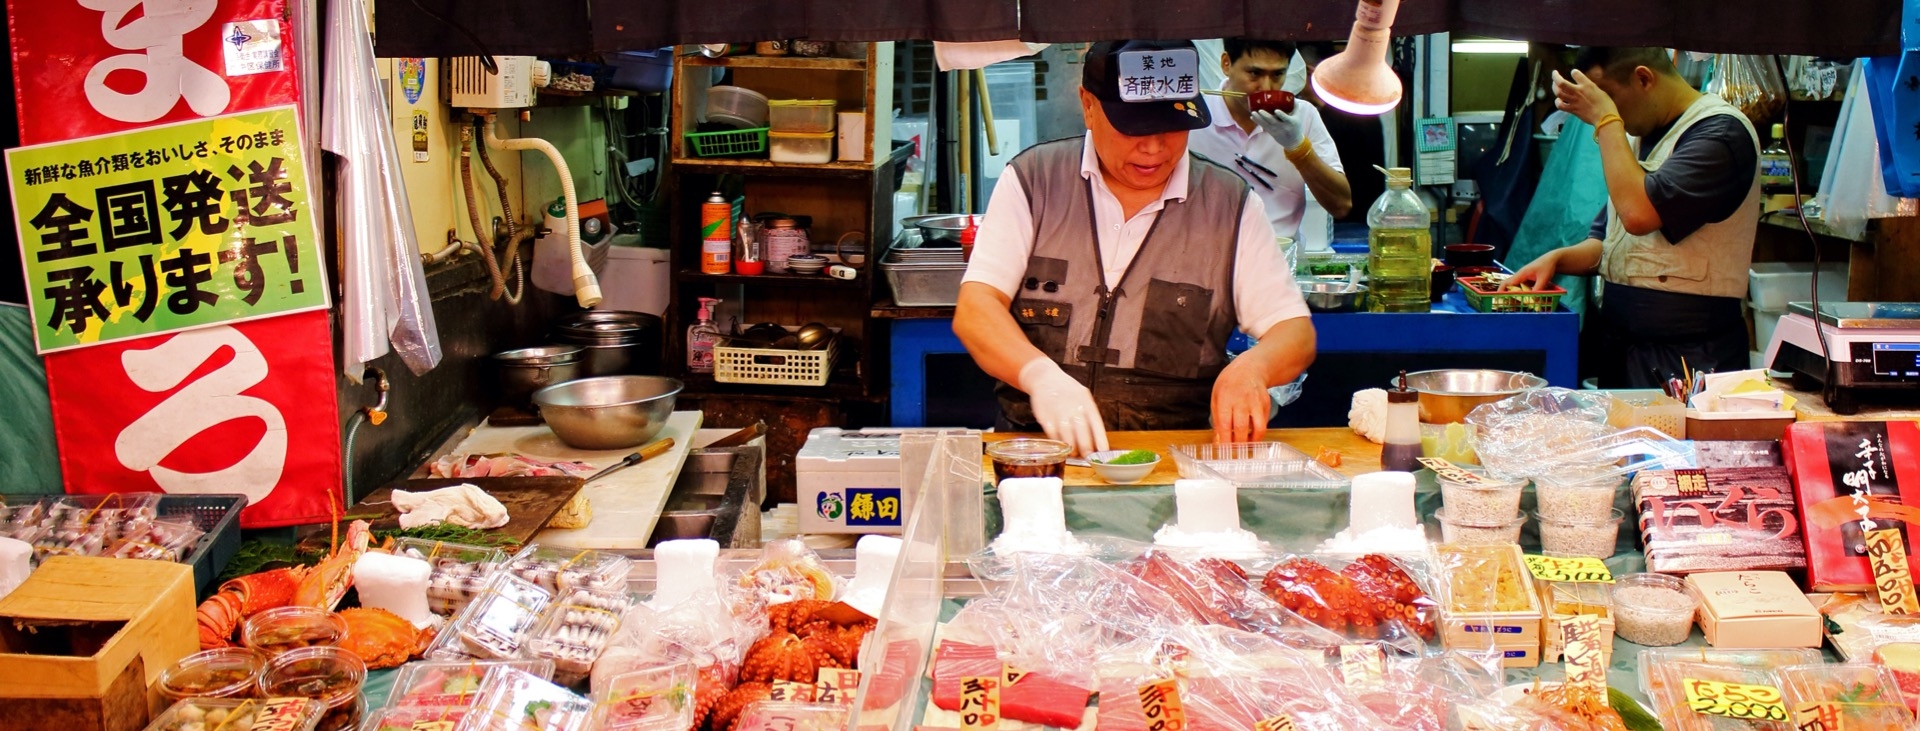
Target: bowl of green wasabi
1123,466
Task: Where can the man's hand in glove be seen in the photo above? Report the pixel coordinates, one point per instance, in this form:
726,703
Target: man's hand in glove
1064,408
1289,130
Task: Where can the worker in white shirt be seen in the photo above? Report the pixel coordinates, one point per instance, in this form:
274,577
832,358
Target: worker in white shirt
1282,155
1110,270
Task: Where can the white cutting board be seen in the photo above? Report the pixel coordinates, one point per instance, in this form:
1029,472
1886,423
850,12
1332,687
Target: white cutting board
626,503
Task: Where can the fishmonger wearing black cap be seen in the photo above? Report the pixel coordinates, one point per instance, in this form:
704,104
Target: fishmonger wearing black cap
1110,270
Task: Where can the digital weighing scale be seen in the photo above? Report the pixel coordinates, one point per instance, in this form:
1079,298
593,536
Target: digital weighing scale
1875,348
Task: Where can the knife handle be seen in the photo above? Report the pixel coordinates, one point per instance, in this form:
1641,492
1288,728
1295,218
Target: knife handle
655,449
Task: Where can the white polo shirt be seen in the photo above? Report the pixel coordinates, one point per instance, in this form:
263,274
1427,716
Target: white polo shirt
1286,201
1264,291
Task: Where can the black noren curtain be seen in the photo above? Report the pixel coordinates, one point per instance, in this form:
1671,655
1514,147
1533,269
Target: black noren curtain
1079,21
641,25
1291,20
405,28
1845,28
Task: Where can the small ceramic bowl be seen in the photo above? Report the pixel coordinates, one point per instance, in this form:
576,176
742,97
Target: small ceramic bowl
806,264
1120,474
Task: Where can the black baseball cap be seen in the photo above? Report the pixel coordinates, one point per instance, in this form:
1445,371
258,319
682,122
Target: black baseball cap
1139,102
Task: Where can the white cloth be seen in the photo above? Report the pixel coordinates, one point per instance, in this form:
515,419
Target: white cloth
1367,416
463,504
16,563
1263,288
1224,140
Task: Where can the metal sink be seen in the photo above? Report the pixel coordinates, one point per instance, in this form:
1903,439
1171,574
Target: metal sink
717,496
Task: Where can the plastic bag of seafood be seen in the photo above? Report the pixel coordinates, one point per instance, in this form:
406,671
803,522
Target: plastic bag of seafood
460,571
575,630
559,570
495,624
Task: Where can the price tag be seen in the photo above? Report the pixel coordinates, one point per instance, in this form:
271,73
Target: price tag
1167,75
1585,659
1887,554
837,685
285,714
1451,472
1818,716
1362,665
1160,701
431,726
1735,700
1584,570
1282,722
979,704
787,690
1010,674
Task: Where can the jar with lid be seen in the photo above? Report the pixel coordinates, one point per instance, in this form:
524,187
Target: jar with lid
785,239
334,677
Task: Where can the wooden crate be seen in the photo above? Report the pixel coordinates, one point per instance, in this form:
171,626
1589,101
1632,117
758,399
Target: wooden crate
1562,600
84,639
1516,634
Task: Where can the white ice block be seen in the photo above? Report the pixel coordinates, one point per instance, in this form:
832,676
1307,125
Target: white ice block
16,561
873,561
1207,506
683,569
397,584
1381,500
1034,517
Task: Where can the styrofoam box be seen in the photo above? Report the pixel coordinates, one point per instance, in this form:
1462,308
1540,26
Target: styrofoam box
635,280
1771,285
849,482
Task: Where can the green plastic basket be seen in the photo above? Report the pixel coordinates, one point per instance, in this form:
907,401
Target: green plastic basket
732,143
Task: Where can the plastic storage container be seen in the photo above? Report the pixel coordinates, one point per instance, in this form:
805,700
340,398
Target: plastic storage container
1653,609
228,672
736,107
1773,284
1648,407
227,714
809,116
1490,503
648,72
1591,538
330,675
1471,534
277,631
800,148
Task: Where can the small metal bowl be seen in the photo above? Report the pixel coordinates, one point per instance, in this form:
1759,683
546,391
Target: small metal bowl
1333,296
612,412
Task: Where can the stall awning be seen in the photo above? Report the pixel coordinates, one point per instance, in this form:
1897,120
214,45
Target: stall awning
1844,28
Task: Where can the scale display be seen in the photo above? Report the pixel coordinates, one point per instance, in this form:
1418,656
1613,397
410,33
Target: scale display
1896,359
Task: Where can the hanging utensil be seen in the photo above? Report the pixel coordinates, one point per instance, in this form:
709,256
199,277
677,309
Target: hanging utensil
650,451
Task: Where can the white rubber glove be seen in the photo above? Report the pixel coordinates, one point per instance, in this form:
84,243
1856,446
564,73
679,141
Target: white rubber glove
1290,130
1064,408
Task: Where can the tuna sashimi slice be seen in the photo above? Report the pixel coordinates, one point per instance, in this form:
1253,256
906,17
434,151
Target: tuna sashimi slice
1036,698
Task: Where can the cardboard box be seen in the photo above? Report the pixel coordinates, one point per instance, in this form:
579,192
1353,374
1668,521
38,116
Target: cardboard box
1835,463
849,482
1754,610
1516,634
1722,519
1737,426
1565,599
83,640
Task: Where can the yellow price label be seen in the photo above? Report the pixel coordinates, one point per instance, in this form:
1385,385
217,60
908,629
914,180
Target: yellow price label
1362,665
1892,578
1282,722
979,704
1735,700
1010,674
1583,570
1818,716
1585,658
1160,701
1450,472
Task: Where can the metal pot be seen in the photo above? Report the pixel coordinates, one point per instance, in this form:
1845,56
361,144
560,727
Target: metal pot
527,370
1447,396
617,343
614,412
940,230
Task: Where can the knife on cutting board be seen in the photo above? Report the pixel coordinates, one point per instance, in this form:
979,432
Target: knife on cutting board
650,451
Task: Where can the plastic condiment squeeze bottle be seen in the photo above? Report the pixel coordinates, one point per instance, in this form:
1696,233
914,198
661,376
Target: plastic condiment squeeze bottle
1401,452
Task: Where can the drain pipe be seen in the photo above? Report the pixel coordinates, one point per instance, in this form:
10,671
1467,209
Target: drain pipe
586,287
375,415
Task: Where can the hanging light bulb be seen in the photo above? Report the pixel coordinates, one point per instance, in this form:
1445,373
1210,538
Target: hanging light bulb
1358,79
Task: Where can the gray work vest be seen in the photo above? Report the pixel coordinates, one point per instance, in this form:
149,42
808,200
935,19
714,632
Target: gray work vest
1150,348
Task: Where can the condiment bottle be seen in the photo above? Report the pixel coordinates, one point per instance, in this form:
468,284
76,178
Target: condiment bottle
702,336
966,238
716,236
1401,453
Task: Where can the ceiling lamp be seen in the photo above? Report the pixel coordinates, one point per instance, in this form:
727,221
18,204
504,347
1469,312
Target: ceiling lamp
1358,79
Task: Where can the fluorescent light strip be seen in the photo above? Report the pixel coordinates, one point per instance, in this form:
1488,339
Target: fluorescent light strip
1518,48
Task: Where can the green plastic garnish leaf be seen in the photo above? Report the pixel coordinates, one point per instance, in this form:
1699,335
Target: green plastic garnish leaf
1135,456
1635,717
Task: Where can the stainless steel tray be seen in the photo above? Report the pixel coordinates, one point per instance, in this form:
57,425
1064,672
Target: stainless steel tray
924,277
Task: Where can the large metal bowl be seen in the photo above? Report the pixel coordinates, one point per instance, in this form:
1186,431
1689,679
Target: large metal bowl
1447,396
1333,296
611,412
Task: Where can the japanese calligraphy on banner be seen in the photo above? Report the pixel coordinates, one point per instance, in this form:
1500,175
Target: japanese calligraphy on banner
166,228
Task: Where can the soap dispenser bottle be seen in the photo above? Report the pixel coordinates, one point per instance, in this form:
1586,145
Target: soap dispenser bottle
702,336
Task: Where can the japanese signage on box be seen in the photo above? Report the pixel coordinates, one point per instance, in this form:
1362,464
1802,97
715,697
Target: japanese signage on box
1851,478
166,228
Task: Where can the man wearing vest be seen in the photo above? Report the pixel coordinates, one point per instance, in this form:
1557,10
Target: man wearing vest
1110,270
1676,239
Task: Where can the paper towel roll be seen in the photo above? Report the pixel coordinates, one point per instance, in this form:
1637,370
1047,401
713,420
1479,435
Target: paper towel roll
873,561
1381,500
1207,506
682,569
16,562
397,584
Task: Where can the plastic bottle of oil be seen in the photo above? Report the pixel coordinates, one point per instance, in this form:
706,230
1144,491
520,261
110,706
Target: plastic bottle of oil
1399,248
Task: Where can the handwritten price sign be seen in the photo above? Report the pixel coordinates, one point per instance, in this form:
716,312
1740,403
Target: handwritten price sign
1282,722
1450,472
1586,660
1735,700
979,704
1362,665
1571,570
1818,716
836,686
1160,701
1887,554
787,690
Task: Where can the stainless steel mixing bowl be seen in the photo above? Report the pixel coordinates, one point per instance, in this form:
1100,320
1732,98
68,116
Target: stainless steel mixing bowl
1447,396
612,412
1333,296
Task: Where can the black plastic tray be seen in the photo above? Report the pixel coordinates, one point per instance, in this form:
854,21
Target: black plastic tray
217,515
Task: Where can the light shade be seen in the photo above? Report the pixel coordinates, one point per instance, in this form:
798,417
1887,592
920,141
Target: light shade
1358,79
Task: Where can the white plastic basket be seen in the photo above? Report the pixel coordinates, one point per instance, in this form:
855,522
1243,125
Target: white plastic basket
773,366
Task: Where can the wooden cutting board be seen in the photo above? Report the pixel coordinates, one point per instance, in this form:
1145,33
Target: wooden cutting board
530,501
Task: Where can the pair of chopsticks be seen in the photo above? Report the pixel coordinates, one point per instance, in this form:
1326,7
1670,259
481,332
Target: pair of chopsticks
1222,92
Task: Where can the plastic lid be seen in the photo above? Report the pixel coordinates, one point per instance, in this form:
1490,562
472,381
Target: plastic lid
801,103
1398,396
1779,130
558,209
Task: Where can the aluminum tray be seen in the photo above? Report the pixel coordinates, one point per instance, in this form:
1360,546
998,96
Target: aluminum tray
924,277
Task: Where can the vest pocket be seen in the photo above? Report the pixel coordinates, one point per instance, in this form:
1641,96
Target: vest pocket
1665,262
1045,325
1173,329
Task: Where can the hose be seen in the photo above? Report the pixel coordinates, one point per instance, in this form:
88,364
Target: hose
374,414
513,225
586,287
454,246
473,215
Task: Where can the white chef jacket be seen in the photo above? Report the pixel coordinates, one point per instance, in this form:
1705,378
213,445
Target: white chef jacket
1286,201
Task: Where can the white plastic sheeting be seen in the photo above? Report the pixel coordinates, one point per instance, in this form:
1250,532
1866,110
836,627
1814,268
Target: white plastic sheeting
1851,188
386,294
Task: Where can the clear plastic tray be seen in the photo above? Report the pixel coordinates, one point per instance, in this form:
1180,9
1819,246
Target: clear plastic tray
575,630
1256,464
787,716
1668,692
1613,456
208,713
453,683
559,570
460,571
655,699
1867,695
515,700
413,718
496,624
1760,659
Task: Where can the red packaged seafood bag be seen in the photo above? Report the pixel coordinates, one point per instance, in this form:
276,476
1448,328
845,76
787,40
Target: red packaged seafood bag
1844,472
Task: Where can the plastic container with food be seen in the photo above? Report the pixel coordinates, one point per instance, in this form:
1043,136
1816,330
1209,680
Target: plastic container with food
228,672
460,571
654,699
1491,502
514,700
330,675
1669,682
800,116
238,714
1592,538
1862,696
1655,610
416,718
802,148
564,569
495,625
1028,458
1566,501
281,629
575,630
453,683
1475,534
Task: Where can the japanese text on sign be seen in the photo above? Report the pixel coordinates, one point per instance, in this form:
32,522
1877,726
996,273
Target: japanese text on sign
166,228
1735,700
1282,722
837,686
1586,657
1690,483
1892,579
1583,570
787,690
979,704
1818,716
431,726
1160,701
1362,665
1450,472
1009,674
280,714
1167,75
